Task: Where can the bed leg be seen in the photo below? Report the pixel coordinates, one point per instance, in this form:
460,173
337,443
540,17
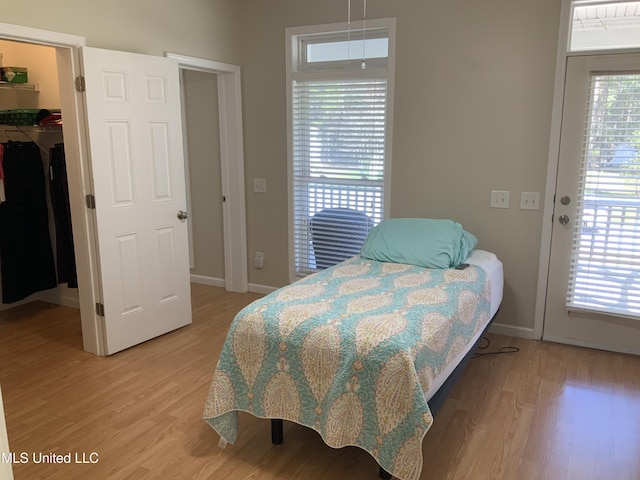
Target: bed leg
384,474
277,431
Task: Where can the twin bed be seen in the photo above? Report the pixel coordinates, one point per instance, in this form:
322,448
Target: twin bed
364,352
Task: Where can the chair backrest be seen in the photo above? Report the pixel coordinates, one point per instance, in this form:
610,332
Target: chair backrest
338,234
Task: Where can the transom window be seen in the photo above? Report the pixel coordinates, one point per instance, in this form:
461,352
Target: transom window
604,25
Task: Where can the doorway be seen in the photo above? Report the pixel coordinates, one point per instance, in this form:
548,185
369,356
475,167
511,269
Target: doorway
40,93
78,177
588,294
68,51
232,187
593,293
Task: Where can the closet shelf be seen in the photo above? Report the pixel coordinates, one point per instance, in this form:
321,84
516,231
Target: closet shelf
33,128
19,86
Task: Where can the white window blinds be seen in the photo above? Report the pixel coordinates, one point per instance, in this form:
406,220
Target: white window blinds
605,264
338,167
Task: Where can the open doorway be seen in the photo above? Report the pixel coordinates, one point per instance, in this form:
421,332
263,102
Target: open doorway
30,118
69,50
226,78
200,123
53,60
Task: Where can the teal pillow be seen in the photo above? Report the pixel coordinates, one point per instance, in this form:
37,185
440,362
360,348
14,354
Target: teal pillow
426,242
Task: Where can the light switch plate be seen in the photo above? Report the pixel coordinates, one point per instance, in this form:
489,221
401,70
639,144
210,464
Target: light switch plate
499,199
530,201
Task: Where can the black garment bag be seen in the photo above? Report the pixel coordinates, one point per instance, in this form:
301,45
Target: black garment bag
25,245
59,190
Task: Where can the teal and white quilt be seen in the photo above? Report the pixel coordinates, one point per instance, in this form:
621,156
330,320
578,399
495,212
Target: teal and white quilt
350,353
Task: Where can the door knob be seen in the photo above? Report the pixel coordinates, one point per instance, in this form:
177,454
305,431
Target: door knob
182,215
563,219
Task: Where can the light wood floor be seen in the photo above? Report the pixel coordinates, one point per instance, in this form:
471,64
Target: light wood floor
548,412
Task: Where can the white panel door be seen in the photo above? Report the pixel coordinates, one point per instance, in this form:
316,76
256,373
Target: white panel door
135,136
595,122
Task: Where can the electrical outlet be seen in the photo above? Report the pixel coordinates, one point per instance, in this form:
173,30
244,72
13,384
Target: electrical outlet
530,201
499,199
260,185
258,260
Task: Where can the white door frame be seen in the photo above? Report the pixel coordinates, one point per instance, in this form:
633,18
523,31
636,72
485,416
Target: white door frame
232,166
80,179
552,170
79,173
553,159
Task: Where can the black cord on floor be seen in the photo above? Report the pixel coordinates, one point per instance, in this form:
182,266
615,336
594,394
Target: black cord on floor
497,352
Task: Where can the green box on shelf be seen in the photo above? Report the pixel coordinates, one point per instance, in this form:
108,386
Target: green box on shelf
14,74
19,117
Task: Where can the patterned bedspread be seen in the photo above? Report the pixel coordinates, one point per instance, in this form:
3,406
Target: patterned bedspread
350,352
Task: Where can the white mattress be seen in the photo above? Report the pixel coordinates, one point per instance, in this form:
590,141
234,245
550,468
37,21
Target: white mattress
493,266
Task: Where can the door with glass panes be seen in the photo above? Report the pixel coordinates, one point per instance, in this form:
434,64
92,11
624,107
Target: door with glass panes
593,291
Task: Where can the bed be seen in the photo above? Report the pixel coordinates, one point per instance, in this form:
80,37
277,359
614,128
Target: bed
363,352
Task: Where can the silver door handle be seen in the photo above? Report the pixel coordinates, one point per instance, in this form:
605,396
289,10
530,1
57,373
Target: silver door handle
563,219
182,215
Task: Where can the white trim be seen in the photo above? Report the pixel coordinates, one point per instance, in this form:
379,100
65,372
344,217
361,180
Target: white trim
187,169
35,35
613,51
552,170
512,331
291,48
264,289
60,296
564,31
68,49
596,346
391,75
232,166
292,35
211,281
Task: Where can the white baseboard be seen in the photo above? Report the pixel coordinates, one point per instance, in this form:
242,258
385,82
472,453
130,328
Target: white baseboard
512,331
59,296
220,282
67,297
212,281
69,302
7,306
596,346
264,289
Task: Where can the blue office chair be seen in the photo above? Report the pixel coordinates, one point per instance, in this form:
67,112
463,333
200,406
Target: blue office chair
338,234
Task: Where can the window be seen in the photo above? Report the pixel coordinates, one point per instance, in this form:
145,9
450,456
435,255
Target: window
605,266
597,25
339,137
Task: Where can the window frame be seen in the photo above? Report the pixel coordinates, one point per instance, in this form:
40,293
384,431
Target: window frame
297,68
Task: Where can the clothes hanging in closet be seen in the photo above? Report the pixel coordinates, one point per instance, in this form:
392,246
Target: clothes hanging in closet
59,190
25,245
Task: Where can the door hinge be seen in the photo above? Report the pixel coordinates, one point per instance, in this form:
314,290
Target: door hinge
100,309
90,200
80,84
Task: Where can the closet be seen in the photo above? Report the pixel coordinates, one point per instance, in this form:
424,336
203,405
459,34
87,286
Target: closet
36,242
